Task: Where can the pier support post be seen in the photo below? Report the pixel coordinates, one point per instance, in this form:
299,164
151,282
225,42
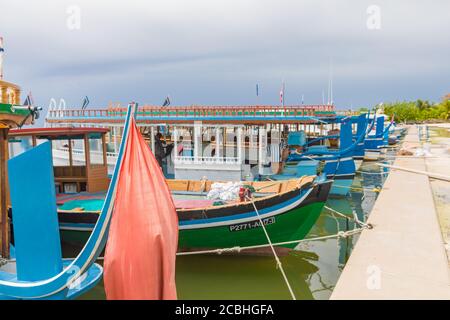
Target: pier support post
4,221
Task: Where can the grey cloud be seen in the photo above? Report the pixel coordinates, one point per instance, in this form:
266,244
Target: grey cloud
214,52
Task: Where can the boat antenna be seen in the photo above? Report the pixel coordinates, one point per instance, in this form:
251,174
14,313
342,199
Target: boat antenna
330,84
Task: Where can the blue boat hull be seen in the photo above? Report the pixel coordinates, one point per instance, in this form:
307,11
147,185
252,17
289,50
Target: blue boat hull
91,277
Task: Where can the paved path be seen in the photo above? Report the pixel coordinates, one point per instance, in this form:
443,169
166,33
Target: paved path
403,256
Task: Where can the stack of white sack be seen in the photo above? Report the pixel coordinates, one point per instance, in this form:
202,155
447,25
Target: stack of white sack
224,191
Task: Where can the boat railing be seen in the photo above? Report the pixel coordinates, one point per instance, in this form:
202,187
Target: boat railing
79,155
347,113
199,111
206,160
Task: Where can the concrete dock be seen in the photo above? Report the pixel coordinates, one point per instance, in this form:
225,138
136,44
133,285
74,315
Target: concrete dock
404,255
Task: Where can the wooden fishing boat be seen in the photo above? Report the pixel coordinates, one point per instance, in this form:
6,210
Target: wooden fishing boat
375,144
288,209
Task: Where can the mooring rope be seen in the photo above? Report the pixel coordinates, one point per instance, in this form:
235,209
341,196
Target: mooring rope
374,173
432,175
355,218
279,265
238,249
375,189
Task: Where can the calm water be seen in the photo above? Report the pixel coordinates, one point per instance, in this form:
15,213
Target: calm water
312,268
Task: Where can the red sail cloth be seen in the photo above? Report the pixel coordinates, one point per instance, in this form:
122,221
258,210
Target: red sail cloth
143,236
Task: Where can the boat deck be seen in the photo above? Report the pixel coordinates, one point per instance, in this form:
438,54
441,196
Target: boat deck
92,202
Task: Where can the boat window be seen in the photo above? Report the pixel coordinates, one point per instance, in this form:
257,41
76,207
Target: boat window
78,156
60,152
96,151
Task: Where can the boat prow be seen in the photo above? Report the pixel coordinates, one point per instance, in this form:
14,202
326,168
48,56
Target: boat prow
8,272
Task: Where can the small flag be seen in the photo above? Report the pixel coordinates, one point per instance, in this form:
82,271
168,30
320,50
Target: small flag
29,100
282,95
303,99
257,90
166,102
85,103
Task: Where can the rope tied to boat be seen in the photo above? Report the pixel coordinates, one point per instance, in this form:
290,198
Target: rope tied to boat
354,188
279,266
355,219
341,234
373,173
229,250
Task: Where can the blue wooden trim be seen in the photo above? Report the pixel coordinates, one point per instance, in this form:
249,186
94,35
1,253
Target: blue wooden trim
88,255
36,231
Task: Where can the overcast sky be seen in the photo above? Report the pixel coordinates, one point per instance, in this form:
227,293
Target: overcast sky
215,51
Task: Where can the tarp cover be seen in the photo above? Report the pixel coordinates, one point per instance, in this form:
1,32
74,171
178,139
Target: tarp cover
143,236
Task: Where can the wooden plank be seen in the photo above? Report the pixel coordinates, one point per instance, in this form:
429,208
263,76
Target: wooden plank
97,179
105,161
178,185
267,186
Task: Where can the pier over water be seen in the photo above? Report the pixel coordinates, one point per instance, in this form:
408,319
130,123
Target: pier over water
403,256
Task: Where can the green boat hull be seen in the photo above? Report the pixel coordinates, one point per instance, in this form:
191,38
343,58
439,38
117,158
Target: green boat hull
289,226
292,225
287,217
